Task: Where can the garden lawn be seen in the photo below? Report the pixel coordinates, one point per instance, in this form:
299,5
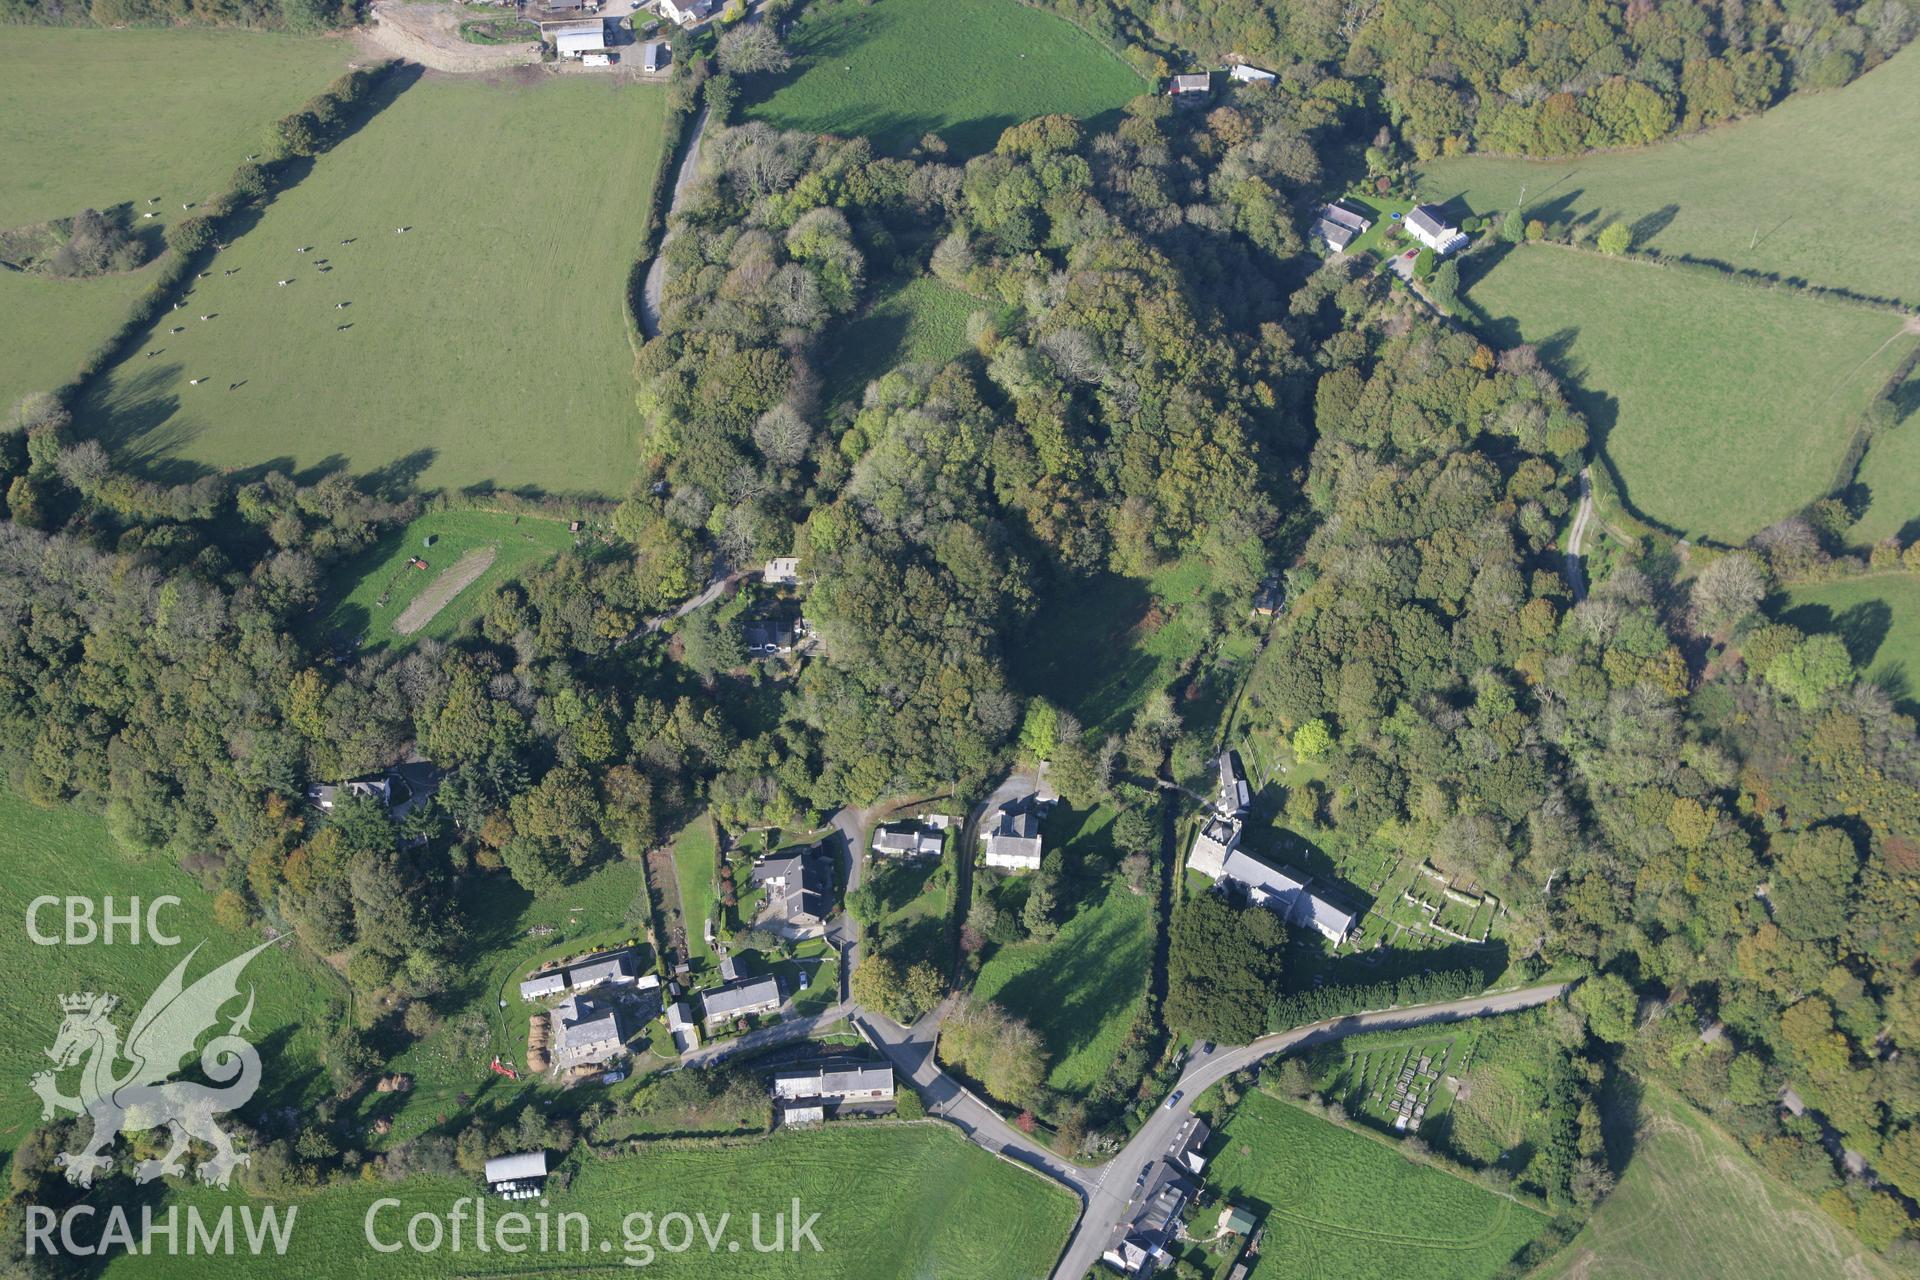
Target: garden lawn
1821,188
1879,617
1721,407
509,933
921,320
370,593
1081,990
895,1201
1099,646
488,345
896,70
64,852
99,118
1693,1205
1337,1203
694,861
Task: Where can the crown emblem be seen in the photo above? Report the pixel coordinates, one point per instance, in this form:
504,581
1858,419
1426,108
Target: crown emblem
84,1002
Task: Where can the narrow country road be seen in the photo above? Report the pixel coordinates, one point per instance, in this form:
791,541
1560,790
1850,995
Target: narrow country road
1112,1188
656,270
1576,574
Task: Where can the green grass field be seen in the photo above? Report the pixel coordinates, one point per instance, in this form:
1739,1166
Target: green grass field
1723,408
1890,473
896,70
488,345
99,118
103,117
373,591
1081,990
920,320
1336,1203
893,1202
1879,618
1693,1205
63,852
1098,646
1820,188
55,323
901,1201
694,852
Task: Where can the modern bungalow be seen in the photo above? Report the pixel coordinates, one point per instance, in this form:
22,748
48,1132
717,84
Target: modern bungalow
1246,74
1431,228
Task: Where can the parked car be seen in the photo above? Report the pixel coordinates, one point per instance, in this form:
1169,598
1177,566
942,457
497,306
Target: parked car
1177,1095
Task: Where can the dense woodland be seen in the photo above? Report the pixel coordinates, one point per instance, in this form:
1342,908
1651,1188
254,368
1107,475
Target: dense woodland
1695,805
1524,78
264,15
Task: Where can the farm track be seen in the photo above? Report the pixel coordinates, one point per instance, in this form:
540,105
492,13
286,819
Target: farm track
429,34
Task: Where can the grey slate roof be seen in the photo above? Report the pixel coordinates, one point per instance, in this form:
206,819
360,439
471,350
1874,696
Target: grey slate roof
799,885
754,993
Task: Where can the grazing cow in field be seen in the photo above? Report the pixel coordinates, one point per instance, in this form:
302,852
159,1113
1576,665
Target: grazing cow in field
153,199
349,239
341,328
339,306
179,328
283,283
304,249
186,206
194,382
206,317
149,214
400,231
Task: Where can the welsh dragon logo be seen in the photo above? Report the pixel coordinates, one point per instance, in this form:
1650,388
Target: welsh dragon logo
143,1095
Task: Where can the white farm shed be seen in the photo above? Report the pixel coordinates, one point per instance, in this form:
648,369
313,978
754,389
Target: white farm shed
578,38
